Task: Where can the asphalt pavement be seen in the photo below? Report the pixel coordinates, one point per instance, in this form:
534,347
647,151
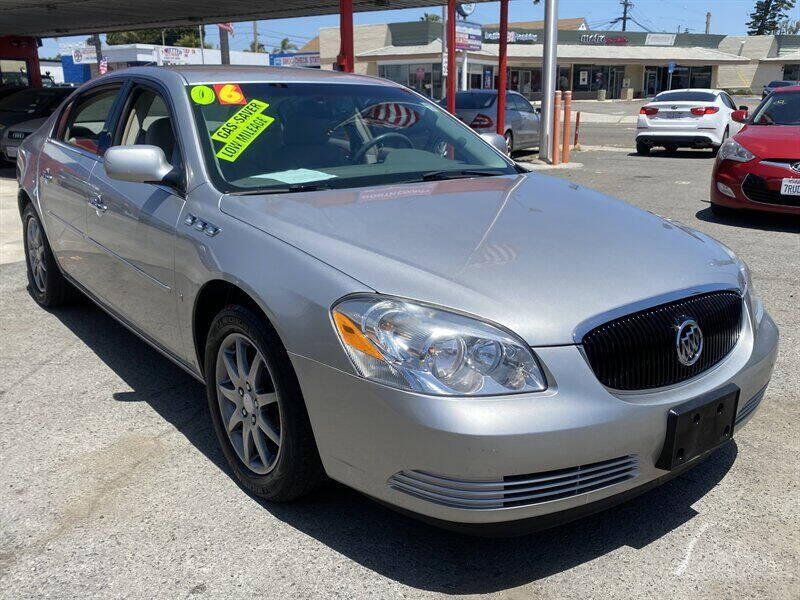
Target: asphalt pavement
112,484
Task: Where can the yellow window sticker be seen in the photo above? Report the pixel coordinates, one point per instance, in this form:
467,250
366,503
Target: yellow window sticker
241,129
202,94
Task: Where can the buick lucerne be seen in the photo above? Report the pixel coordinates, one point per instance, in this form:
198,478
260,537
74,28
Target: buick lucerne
374,293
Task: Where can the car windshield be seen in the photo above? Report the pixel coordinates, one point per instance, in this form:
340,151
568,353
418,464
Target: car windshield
685,97
475,100
780,108
293,136
33,100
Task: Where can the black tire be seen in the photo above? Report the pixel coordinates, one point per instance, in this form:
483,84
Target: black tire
509,136
48,287
297,469
722,211
642,149
670,149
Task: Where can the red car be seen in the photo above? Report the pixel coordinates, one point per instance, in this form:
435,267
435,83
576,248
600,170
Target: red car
759,167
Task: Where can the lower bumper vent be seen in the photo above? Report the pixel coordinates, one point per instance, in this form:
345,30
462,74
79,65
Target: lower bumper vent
515,490
750,405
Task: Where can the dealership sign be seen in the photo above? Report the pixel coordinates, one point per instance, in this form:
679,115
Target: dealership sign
602,38
468,36
174,55
660,39
296,59
512,37
82,54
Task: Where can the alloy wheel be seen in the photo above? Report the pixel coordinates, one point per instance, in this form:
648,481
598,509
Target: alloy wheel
248,403
36,262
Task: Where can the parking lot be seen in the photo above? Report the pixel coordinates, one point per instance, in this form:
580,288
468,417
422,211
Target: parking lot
112,483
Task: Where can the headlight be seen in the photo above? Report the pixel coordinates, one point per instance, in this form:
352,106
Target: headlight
733,150
422,349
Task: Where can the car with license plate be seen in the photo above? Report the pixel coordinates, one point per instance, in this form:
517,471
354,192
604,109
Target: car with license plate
372,293
759,167
478,109
687,118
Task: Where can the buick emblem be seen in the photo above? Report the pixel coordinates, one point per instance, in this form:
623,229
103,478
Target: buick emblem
795,167
689,342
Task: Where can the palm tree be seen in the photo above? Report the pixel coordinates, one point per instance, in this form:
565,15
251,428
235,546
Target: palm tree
430,17
286,46
260,48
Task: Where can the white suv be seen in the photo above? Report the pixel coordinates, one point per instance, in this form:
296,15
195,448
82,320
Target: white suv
691,118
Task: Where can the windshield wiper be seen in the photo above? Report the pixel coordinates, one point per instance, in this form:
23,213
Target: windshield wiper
295,187
443,175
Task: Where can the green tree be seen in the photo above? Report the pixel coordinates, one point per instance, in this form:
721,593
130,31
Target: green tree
171,35
285,46
768,15
252,48
430,17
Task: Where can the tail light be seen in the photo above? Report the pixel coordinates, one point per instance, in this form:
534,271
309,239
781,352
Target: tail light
481,121
648,110
704,110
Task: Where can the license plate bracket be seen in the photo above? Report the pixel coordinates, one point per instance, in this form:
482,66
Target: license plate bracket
699,425
790,186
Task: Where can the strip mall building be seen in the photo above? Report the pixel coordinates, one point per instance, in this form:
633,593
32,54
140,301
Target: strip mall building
623,64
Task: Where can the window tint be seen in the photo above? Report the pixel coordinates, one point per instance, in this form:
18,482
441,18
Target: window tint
685,97
87,120
474,100
147,121
728,101
782,108
522,103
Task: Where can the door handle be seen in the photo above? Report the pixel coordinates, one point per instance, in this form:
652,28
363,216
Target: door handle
98,204
46,175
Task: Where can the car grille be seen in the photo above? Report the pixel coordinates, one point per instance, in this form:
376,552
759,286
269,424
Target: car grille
17,135
757,190
639,351
515,490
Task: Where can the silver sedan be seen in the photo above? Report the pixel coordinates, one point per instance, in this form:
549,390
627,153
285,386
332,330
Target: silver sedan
372,293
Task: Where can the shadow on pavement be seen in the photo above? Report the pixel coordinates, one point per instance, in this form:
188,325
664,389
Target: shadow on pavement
753,220
393,545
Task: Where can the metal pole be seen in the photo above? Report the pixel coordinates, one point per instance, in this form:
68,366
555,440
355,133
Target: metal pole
556,121
452,73
501,72
202,53
549,62
98,52
346,59
708,22
224,48
567,117
255,36
444,49
464,72
163,43
577,127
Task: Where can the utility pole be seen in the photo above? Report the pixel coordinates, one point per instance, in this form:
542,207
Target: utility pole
626,4
708,22
255,36
224,48
202,53
444,50
549,73
98,52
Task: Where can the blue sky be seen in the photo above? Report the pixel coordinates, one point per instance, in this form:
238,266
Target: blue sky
728,17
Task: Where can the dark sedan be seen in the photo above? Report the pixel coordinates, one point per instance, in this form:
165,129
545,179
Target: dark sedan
31,103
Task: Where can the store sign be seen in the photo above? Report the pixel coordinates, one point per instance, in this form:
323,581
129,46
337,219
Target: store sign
174,55
603,39
512,37
298,59
468,36
82,54
660,39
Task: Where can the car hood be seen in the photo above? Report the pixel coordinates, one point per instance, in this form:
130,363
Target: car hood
771,141
29,126
539,255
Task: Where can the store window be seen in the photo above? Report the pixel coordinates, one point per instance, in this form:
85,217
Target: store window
791,72
14,72
425,78
700,77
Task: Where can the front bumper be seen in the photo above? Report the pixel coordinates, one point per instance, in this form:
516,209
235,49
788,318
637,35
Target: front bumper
367,433
733,174
8,150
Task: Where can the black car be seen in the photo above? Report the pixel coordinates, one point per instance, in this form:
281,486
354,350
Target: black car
776,84
31,103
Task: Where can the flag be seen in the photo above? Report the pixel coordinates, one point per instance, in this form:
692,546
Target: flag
102,68
227,27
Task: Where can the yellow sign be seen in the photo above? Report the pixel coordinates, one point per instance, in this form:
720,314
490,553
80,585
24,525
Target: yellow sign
202,94
241,129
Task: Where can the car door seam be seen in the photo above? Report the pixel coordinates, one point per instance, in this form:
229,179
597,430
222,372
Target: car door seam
129,264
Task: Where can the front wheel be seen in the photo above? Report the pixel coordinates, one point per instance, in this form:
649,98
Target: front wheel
257,408
45,281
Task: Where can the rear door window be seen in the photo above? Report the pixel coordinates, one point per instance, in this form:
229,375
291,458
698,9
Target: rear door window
86,123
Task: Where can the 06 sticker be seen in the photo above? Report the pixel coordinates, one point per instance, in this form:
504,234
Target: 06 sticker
202,94
229,93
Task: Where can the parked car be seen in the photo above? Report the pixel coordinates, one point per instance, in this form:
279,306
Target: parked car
759,168
690,118
372,293
30,103
773,85
478,109
11,137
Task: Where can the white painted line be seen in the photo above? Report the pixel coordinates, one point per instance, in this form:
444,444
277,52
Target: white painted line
687,555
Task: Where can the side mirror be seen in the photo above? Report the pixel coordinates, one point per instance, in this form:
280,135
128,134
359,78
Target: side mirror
496,140
137,164
740,116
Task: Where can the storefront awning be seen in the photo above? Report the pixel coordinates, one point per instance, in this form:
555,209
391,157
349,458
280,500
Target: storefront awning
573,53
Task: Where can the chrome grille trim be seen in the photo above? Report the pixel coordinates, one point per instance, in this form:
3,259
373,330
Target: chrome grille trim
516,490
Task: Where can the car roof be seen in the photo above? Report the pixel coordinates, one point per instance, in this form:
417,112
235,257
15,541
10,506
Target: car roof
706,90
786,90
195,74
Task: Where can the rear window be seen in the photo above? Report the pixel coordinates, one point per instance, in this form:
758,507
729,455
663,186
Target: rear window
774,84
685,97
33,100
472,100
